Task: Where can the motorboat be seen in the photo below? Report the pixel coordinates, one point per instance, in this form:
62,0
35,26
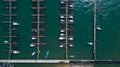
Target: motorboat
71,45
98,28
71,38
61,38
33,53
90,43
16,52
33,38
32,45
61,45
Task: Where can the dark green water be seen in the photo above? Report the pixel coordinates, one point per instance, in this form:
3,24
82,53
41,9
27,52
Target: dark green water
108,40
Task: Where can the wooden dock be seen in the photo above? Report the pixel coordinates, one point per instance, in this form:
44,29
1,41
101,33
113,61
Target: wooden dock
94,50
65,23
38,31
66,30
10,30
37,23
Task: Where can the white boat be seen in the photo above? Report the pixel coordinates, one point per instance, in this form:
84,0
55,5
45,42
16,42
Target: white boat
62,20
33,53
61,38
5,41
71,16
61,46
16,52
71,45
15,24
33,38
90,43
62,34
71,6
71,20
71,38
62,2
32,45
98,28
62,31
62,16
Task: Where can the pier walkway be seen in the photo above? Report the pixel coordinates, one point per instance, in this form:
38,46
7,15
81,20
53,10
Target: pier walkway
63,61
34,61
